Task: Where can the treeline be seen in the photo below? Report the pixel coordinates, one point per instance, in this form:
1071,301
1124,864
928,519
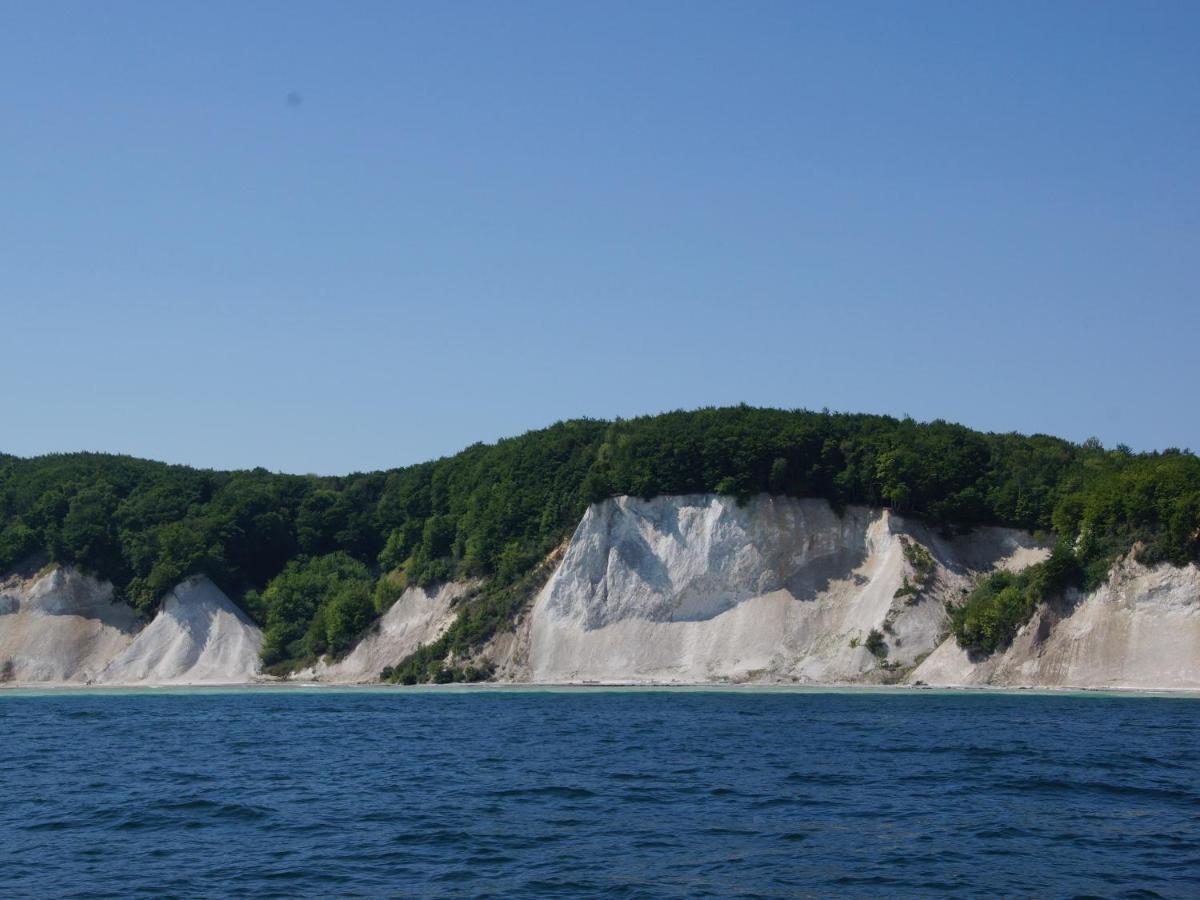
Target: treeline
315,559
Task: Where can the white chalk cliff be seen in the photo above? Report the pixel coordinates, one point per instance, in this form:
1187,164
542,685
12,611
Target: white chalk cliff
697,589
692,589
62,627
1139,631
198,637
417,617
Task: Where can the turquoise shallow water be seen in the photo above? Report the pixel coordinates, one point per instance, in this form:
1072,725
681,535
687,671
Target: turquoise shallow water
629,793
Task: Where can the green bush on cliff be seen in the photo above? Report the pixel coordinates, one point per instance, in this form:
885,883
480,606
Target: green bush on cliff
875,643
1003,601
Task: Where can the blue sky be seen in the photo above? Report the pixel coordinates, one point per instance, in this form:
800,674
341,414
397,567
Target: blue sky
342,236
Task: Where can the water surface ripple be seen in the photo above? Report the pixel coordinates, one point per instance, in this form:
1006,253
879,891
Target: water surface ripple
597,793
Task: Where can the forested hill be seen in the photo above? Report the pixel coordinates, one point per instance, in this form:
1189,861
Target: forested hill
314,559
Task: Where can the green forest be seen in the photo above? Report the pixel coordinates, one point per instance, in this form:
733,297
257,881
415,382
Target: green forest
316,559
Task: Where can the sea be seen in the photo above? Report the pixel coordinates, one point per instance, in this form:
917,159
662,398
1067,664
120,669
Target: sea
591,792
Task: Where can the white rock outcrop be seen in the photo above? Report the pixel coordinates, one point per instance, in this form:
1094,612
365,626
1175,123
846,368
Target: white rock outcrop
697,589
1140,631
62,627
198,637
417,617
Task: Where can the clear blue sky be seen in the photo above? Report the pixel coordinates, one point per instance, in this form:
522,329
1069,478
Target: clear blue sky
340,236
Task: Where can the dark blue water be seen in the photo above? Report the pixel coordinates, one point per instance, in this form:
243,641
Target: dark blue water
625,794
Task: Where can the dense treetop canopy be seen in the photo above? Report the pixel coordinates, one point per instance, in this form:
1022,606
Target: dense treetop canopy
314,559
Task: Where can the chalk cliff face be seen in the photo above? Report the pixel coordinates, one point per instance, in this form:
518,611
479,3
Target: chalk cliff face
198,637
417,617
692,589
698,588
62,627
1141,630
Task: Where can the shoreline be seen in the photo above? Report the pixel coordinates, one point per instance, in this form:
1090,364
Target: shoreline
281,686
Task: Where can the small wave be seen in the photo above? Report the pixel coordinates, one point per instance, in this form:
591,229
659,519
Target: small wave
439,837
202,809
57,825
721,831
795,837
560,791
1058,785
772,802
999,833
